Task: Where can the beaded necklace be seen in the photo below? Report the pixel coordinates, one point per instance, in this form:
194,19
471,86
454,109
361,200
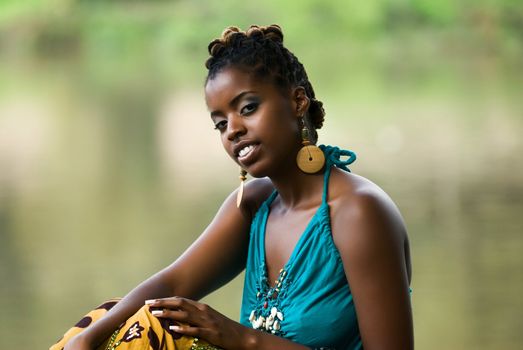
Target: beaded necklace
267,316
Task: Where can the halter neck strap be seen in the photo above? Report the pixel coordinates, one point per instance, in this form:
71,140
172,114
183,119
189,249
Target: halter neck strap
332,157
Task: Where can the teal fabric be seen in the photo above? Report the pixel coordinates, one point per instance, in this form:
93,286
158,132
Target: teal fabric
311,302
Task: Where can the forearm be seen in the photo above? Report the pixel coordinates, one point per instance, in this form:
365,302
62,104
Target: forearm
154,287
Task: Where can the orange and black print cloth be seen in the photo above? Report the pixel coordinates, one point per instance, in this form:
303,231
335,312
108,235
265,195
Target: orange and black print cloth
142,331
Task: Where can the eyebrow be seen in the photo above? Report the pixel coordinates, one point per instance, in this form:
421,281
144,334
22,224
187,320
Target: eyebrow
234,101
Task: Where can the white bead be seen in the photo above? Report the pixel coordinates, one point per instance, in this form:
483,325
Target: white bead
276,325
270,320
252,317
257,323
279,315
274,310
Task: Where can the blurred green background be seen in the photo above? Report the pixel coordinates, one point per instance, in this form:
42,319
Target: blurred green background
110,167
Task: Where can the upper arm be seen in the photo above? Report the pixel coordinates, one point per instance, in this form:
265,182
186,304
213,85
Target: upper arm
220,252
370,235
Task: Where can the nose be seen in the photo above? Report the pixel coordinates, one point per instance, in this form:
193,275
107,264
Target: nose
235,127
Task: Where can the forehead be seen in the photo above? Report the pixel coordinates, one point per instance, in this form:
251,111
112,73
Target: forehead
230,82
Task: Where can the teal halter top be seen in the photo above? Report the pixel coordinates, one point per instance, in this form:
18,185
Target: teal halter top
311,302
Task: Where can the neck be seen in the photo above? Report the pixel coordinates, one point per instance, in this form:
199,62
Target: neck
297,188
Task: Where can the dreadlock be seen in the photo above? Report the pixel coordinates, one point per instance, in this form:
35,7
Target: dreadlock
261,50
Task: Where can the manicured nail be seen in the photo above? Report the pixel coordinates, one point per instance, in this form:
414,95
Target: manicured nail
150,301
175,328
156,312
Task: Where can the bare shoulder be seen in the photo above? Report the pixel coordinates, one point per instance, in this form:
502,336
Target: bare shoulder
353,197
366,223
255,193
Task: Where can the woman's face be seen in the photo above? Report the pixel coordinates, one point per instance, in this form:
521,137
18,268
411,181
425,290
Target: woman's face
257,122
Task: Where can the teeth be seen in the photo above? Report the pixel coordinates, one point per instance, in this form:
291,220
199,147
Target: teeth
244,151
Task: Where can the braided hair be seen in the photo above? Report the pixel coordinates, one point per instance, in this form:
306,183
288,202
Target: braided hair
261,50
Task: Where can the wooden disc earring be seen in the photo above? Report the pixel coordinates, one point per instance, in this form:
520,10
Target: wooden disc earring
310,158
239,196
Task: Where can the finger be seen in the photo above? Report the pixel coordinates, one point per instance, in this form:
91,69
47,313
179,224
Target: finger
178,315
170,302
175,303
186,330
194,318
195,332
160,301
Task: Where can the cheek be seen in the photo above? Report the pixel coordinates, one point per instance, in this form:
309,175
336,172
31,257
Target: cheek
224,142
287,126
226,147
282,119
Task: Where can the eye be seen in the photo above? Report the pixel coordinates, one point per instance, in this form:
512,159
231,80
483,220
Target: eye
221,125
249,108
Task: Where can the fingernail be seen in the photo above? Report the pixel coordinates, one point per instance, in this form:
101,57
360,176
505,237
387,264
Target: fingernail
175,328
156,312
150,301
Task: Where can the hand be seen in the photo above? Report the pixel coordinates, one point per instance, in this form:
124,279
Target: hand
200,321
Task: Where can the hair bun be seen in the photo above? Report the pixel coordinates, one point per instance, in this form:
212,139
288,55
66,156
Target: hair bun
228,31
215,47
273,32
316,113
254,32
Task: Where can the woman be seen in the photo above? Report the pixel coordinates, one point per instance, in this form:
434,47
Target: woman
325,251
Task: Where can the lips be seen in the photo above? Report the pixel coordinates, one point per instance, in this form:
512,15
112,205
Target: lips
245,152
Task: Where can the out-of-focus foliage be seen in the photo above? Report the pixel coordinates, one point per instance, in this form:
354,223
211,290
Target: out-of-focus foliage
109,36
113,28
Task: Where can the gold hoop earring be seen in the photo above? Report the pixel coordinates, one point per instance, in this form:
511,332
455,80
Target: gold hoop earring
239,195
310,158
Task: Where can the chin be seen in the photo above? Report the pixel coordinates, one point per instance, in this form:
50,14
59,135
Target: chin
256,174
257,170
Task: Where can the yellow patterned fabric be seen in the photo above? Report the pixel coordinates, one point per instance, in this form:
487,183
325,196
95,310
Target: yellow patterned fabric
142,331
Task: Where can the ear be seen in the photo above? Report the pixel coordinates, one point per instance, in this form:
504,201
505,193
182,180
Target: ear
300,100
